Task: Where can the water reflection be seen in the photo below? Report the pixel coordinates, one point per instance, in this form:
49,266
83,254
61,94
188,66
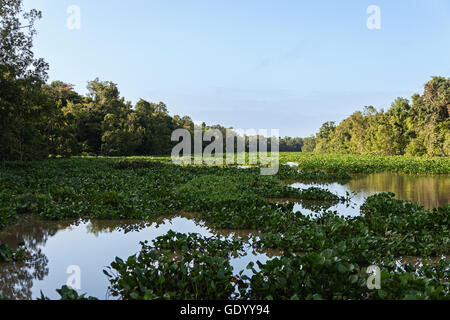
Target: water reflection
92,245
314,208
16,278
429,191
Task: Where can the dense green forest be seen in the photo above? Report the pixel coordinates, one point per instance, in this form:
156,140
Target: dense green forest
38,119
418,128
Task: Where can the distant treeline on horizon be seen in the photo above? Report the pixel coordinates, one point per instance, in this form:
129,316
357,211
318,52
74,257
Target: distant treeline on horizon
103,123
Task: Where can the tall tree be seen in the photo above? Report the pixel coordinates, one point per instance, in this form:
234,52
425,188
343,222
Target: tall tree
23,103
418,129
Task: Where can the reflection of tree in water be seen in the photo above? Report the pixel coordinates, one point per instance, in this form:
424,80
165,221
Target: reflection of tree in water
107,226
16,278
430,191
97,227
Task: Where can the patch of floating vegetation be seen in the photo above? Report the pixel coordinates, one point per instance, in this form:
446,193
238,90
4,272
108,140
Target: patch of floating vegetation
146,196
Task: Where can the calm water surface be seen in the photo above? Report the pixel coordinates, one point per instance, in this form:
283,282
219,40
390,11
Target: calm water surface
93,245
429,191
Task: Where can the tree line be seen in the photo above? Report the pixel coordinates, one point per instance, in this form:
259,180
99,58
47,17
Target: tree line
417,128
100,123
40,119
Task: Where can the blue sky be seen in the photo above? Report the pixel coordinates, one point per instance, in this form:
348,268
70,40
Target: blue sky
288,65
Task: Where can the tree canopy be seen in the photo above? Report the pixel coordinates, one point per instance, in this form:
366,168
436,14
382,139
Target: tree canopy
418,128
